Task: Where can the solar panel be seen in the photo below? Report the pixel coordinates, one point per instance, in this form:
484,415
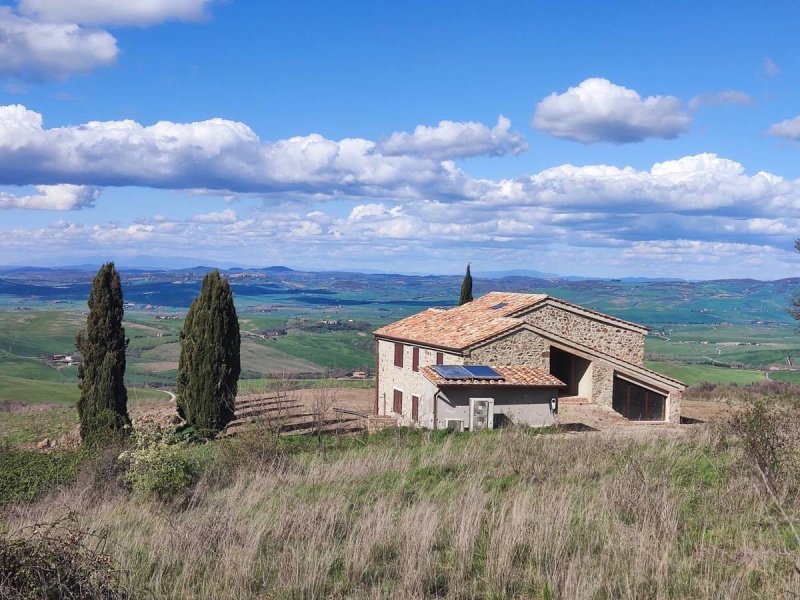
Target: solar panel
452,371
482,372
499,305
467,372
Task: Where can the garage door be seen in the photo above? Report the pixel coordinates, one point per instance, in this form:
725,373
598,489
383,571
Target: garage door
637,403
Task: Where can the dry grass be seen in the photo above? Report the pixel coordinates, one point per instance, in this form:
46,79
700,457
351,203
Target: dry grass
499,515
734,394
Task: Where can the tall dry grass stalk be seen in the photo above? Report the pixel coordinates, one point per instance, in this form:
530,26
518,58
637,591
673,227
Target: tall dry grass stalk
497,515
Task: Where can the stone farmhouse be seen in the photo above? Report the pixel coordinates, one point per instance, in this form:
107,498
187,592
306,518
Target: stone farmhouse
507,357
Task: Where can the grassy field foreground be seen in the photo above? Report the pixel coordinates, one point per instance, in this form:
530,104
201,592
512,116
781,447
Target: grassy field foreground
408,515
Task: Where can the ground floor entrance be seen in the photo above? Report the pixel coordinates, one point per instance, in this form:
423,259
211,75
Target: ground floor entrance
573,370
637,403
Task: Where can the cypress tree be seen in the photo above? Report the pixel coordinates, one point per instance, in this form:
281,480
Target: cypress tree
466,288
103,404
209,366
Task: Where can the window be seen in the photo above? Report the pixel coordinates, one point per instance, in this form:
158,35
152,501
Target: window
397,402
415,359
439,358
415,408
398,354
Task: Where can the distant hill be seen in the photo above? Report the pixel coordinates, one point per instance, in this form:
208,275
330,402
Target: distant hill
650,301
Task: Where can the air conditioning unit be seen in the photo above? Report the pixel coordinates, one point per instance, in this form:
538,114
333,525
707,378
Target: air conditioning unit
481,413
454,424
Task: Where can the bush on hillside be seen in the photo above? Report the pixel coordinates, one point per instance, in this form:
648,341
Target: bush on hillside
56,562
771,438
158,469
25,475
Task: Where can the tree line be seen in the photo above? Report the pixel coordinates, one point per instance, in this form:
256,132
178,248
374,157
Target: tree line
208,368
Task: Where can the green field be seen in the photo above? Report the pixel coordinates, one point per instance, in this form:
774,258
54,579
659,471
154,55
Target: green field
694,374
335,350
786,376
755,346
34,368
33,391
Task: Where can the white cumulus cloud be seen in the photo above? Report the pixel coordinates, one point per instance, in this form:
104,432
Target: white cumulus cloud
32,50
450,139
113,12
597,110
53,197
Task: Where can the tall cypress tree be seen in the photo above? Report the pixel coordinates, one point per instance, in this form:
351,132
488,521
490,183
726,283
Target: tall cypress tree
466,288
209,366
103,404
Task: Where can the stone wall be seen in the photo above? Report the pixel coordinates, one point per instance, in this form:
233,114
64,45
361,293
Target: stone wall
616,341
518,348
404,379
602,383
674,406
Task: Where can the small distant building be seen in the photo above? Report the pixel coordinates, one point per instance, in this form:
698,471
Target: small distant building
359,375
509,355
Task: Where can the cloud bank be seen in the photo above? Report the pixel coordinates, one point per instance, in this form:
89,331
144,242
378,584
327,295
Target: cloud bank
219,154
369,201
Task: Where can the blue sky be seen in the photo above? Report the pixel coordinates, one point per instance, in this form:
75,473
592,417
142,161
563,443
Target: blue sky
605,139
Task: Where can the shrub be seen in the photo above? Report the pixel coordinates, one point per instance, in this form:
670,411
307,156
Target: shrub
158,469
25,475
54,561
103,474
771,438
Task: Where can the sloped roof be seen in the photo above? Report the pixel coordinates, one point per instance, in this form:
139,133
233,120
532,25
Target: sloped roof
513,376
463,326
503,304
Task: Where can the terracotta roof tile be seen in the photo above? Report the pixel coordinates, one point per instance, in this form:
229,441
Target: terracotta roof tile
504,303
513,376
463,326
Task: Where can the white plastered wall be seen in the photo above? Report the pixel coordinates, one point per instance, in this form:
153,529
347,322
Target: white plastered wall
406,380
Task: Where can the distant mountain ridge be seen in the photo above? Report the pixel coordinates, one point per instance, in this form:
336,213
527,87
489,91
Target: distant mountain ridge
518,274
390,295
